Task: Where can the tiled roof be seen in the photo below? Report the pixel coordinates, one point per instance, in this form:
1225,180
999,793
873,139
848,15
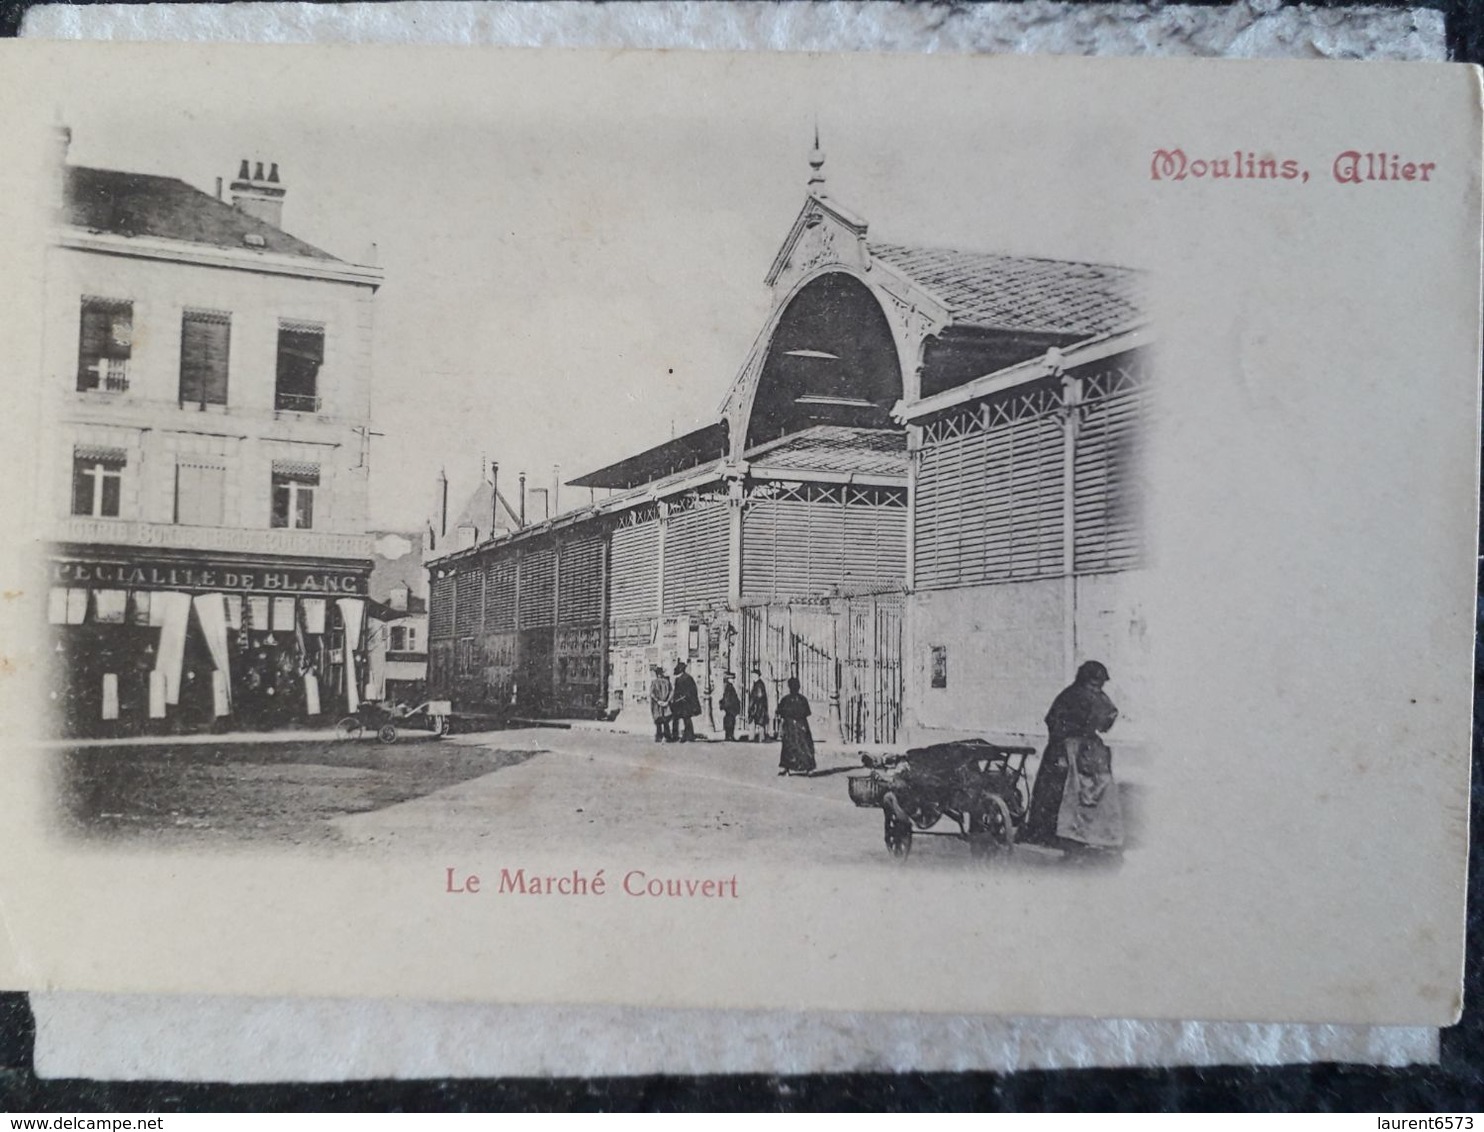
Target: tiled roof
143,204
836,448
1004,292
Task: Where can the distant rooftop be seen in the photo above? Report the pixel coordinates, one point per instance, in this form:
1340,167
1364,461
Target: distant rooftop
687,451
145,204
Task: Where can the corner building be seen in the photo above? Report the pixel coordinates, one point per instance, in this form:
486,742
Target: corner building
207,379
781,535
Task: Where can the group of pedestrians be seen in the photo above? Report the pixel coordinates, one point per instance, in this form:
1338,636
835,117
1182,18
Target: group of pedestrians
673,704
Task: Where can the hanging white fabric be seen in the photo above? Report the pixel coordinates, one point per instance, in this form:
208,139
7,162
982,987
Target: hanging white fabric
352,610
77,606
221,694
234,611
110,695
283,615
257,614
314,614
211,611
311,694
110,606
376,646
157,694
174,611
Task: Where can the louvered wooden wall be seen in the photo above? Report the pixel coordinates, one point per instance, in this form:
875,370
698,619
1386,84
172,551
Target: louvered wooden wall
499,593
991,491
468,602
989,505
634,585
580,578
696,558
794,547
1109,531
440,608
537,587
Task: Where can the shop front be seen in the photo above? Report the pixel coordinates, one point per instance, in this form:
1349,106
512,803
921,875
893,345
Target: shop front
154,642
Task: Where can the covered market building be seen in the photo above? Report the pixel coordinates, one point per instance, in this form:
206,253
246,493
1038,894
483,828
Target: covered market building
782,534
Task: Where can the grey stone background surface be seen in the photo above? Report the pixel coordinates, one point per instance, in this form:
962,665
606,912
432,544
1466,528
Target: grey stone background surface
206,1039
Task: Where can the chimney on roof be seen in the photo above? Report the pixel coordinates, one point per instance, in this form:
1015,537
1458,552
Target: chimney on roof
440,504
257,195
540,504
494,497
61,142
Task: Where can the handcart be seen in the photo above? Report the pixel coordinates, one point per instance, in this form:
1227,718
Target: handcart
384,720
972,790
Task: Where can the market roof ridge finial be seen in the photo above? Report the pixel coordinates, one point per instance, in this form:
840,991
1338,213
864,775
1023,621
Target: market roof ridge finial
816,165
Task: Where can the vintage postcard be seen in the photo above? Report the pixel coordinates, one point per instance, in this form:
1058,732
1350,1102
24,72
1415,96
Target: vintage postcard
861,533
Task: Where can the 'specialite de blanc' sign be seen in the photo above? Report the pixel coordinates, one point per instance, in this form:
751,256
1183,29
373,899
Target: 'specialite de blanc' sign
208,576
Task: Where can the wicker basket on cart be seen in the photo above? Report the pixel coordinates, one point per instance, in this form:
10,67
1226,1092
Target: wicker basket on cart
866,789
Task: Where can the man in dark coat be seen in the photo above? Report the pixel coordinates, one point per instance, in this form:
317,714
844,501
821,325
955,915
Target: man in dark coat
685,703
757,707
731,707
1076,759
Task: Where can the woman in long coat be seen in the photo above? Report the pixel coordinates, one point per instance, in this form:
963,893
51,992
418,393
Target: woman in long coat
1074,803
757,707
797,756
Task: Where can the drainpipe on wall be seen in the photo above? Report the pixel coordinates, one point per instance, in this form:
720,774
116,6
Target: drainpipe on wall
1071,397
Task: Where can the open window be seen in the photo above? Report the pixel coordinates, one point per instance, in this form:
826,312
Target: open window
105,343
294,488
301,353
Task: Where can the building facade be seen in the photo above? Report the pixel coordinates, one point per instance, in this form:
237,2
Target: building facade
804,532
397,619
208,390
1030,551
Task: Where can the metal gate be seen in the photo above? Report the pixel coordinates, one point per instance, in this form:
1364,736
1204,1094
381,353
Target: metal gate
846,653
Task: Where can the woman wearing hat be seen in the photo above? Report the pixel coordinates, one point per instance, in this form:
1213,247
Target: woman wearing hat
757,707
1074,803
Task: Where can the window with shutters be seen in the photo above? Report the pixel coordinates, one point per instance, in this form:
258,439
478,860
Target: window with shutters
105,343
200,491
97,481
294,487
205,345
301,352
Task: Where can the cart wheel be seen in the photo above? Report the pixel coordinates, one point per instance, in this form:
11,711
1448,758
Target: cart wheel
990,830
387,734
898,838
349,728
440,726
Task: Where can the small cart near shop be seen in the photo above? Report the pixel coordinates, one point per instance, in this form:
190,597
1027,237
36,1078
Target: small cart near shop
971,790
386,722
